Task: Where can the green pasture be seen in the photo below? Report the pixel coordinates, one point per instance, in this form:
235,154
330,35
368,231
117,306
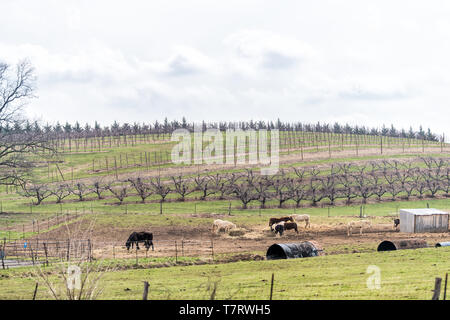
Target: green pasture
404,274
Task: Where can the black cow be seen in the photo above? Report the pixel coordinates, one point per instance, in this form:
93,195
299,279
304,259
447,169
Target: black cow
136,237
279,229
396,223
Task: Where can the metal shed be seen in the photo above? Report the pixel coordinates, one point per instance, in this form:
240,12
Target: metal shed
423,220
294,250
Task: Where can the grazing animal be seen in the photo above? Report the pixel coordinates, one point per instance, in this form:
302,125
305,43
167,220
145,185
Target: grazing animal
396,223
302,217
361,224
279,223
224,225
279,228
273,221
136,237
290,226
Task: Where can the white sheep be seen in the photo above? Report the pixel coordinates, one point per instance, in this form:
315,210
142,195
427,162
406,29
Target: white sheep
224,225
302,217
361,224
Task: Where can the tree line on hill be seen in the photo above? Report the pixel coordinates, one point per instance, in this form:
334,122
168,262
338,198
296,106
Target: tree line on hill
21,138
166,127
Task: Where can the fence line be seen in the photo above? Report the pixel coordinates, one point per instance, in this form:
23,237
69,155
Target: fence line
29,252
43,251
42,225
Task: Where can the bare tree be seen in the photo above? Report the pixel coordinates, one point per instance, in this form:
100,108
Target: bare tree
316,192
376,181
120,192
182,187
220,184
346,179
330,184
281,190
98,187
363,187
16,89
60,191
160,188
263,186
205,185
446,183
80,190
244,190
38,191
392,182
298,187
434,174
419,182
143,189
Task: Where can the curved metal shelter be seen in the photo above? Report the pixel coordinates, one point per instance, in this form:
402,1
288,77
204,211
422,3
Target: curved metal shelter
442,244
389,245
294,250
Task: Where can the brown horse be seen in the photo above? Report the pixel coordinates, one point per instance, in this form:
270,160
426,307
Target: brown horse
290,225
273,221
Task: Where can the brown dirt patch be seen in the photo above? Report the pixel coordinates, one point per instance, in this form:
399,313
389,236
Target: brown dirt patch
197,241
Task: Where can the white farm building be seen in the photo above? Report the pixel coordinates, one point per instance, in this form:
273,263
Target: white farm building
423,220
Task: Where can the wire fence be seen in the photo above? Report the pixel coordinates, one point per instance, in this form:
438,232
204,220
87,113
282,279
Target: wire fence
18,231
181,248
29,252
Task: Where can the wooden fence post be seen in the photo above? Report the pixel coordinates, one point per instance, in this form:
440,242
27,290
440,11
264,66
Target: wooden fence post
89,250
437,289
32,255
271,287
146,285
176,252
68,249
212,248
3,253
46,254
35,290
445,287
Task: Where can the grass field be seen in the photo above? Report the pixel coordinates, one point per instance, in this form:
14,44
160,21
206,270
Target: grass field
340,274
405,274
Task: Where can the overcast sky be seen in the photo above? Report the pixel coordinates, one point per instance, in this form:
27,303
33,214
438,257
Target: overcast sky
361,62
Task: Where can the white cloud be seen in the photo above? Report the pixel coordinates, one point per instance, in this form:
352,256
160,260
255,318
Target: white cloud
253,50
184,61
382,63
